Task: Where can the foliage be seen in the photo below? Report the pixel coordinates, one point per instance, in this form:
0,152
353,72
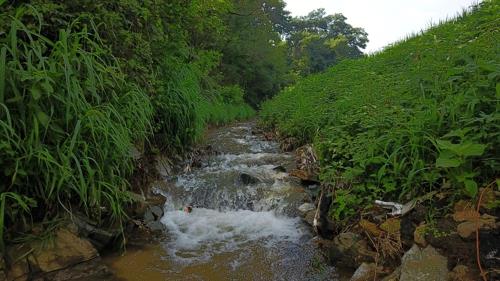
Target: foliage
318,40
83,82
421,115
68,121
254,54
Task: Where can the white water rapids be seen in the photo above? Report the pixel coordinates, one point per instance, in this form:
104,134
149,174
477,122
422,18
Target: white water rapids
204,232
245,223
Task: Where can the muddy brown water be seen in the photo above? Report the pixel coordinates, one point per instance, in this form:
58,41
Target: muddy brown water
237,230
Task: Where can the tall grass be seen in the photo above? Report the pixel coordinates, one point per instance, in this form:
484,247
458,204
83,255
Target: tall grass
184,109
68,121
78,91
421,115
224,105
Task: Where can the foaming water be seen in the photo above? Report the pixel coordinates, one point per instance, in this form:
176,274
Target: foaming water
204,232
239,229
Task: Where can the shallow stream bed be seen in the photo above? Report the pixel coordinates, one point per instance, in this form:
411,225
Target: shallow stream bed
244,226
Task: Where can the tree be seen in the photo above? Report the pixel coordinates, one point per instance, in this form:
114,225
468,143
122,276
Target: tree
254,54
318,41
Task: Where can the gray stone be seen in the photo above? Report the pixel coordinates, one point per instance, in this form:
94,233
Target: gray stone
157,212
280,169
136,153
163,166
306,207
156,226
347,240
149,216
249,179
152,218
423,265
309,217
365,272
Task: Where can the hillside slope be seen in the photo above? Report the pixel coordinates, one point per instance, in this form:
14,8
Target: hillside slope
422,115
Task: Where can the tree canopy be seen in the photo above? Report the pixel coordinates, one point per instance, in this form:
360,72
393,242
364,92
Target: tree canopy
318,40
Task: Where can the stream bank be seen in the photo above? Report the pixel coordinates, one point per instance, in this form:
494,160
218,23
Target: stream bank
246,223
407,242
259,214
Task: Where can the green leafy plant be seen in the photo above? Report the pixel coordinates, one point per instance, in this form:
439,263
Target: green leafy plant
455,156
419,116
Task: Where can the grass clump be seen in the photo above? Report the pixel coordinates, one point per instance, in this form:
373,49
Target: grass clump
419,116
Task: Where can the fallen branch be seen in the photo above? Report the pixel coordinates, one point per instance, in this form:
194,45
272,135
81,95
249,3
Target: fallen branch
478,255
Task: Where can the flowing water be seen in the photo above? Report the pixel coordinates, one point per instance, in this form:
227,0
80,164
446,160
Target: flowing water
244,225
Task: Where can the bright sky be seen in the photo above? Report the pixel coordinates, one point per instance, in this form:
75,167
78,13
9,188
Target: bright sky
386,21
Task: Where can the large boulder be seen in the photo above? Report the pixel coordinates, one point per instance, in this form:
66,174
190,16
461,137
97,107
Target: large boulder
152,218
153,213
306,207
423,265
67,249
152,199
37,259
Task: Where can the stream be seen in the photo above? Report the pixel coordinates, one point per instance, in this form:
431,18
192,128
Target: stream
245,223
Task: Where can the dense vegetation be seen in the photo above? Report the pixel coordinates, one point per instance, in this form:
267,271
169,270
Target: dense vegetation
420,116
82,82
